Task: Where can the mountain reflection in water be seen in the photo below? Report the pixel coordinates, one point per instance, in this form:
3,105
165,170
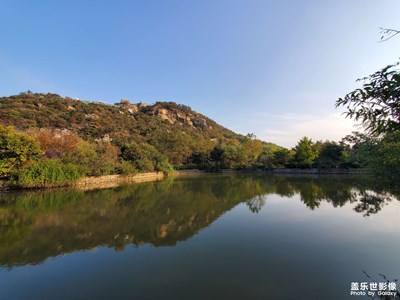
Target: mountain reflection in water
36,225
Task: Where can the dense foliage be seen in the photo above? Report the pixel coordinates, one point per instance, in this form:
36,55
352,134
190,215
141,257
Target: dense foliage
48,173
57,157
145,157
380,154
16,150
377,103
377,106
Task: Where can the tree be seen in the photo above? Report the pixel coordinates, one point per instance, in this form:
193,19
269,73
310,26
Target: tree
377,106
305,153
17,150
145,157
234,157
377,103
331,155
252,149
359,149
388,154
56,143
282,157
83,155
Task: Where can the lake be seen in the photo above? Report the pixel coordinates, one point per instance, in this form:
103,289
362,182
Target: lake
238,236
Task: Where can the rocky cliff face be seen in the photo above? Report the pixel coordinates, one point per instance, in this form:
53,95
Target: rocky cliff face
167,111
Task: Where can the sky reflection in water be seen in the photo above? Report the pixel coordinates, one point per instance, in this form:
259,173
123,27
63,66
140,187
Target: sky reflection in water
214,237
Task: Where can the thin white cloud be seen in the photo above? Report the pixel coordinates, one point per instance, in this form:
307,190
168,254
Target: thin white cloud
288,129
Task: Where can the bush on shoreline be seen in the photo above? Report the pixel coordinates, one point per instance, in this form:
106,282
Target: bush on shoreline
48,173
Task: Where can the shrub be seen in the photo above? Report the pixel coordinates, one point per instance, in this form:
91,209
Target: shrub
126,168
48,173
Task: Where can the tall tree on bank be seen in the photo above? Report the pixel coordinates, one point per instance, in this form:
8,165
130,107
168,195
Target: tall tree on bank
305,153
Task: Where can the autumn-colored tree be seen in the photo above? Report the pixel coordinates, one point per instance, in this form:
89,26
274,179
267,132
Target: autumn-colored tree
252,149
55,142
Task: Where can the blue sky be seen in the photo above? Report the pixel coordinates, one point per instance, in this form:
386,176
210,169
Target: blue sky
273,68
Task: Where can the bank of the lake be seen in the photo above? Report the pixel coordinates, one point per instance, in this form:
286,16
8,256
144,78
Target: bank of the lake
93,182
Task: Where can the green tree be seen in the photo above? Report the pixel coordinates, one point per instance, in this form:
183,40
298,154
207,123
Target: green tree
84,155
305,153
377,106
377,103
234,156
282,157
200,159
381,155
388,154
17,150
359,149
331,155
216,161
145,157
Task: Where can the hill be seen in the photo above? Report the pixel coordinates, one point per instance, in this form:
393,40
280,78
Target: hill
119,138
176,130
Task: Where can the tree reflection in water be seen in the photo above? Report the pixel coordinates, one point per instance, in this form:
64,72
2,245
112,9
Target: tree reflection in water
35,225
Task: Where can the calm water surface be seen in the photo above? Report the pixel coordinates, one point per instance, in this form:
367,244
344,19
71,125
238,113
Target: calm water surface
207,237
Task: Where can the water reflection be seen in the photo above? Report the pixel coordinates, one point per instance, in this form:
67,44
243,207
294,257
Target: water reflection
36,225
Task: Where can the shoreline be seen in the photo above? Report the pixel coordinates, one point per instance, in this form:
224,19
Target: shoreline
93,182
110,181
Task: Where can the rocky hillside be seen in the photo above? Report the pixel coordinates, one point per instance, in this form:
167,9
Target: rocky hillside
175,130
